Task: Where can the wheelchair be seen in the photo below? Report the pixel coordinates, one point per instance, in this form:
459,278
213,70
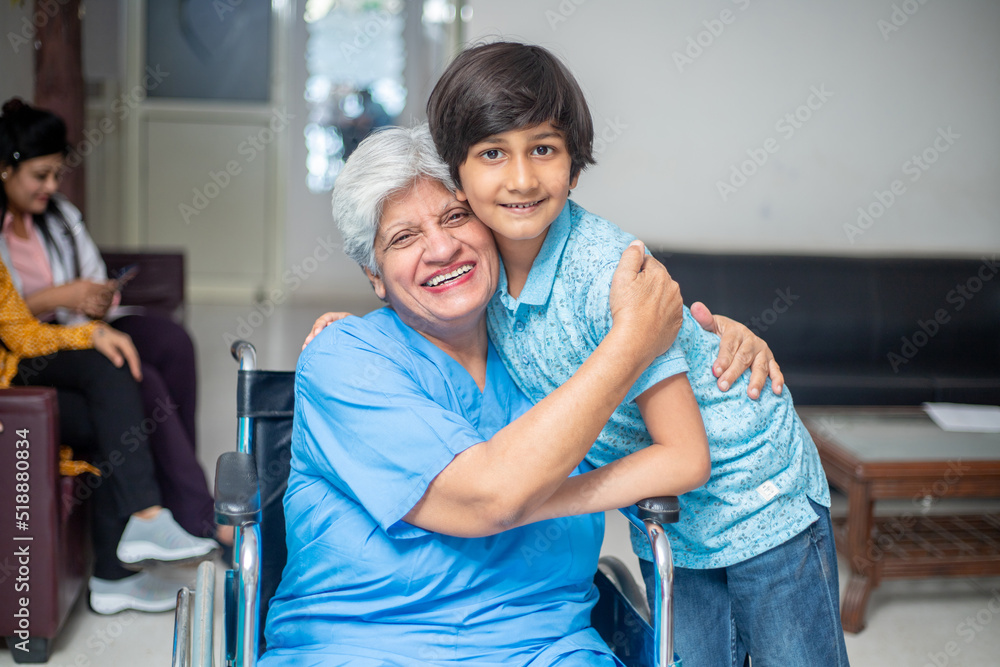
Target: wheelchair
249,488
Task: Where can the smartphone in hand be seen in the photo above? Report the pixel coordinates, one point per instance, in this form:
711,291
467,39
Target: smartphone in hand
126,274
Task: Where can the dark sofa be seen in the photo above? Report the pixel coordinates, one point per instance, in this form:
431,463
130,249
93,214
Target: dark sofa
862,331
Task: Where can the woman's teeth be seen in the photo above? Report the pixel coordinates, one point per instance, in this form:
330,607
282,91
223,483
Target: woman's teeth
437,280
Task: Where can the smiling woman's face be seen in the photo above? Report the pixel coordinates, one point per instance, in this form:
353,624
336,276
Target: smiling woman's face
30,186
438,265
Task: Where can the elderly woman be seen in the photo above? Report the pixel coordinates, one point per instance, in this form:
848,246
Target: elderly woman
425,490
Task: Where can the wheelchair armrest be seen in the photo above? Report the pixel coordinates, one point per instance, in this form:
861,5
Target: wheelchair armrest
237,493
662,509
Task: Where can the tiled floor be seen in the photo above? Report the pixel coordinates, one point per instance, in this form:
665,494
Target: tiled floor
910,624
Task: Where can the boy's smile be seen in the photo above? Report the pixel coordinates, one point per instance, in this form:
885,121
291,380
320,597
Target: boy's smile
517,182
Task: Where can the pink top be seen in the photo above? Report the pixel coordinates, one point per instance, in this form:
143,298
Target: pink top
28,256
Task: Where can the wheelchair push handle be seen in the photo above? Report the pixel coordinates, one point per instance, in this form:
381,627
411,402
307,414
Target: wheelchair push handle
245,353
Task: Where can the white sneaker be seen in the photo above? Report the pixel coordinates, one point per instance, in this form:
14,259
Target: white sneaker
161,539
143,592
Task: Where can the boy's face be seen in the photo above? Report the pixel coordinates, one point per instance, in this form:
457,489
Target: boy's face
518,181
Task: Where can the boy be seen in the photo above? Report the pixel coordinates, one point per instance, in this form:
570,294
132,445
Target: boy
757,569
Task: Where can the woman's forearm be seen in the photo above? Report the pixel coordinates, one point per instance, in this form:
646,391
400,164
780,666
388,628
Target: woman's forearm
618,484
48,299
497,484
558,432
676,462
654,471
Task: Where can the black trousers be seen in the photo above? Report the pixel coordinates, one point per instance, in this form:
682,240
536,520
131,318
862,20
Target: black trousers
168,392
100,414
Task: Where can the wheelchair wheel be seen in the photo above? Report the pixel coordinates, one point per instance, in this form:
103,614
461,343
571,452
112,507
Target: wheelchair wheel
619,575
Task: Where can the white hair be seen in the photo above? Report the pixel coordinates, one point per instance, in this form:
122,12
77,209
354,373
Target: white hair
387,162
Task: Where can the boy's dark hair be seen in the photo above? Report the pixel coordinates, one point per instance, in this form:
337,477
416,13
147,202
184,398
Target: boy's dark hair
494,88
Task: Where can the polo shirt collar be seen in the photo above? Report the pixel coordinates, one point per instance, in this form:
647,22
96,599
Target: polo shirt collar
538,287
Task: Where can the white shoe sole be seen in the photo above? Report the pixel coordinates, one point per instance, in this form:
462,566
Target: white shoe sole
139,554
112,603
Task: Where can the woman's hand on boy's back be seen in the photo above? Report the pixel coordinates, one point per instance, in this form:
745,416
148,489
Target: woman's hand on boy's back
739,350
322,322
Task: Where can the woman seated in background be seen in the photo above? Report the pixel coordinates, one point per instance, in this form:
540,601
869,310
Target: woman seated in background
99,406
57,268
433,514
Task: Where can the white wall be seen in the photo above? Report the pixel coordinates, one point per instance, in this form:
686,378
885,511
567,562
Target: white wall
676,131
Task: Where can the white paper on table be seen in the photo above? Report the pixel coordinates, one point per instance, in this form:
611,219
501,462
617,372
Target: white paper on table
968,418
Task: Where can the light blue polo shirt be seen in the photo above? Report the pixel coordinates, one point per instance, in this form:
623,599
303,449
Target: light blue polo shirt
764,463
379,412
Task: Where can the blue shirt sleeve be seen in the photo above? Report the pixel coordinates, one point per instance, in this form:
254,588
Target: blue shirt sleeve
371,429
597,311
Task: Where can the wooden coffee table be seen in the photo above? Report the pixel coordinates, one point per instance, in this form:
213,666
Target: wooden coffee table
873,454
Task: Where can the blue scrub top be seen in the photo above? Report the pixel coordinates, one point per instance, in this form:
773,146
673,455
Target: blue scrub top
379,412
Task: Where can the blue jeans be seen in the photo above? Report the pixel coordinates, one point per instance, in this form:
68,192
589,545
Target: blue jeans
782,606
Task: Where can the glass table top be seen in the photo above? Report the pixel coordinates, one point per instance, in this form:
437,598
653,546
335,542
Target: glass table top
910,436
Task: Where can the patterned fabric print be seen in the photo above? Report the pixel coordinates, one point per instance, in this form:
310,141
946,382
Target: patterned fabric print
24,337
764,464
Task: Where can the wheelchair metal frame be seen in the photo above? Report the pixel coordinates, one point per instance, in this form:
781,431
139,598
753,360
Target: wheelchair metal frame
240,507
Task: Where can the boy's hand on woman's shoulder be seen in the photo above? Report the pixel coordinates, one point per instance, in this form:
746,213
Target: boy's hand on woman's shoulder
739,350
646,299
